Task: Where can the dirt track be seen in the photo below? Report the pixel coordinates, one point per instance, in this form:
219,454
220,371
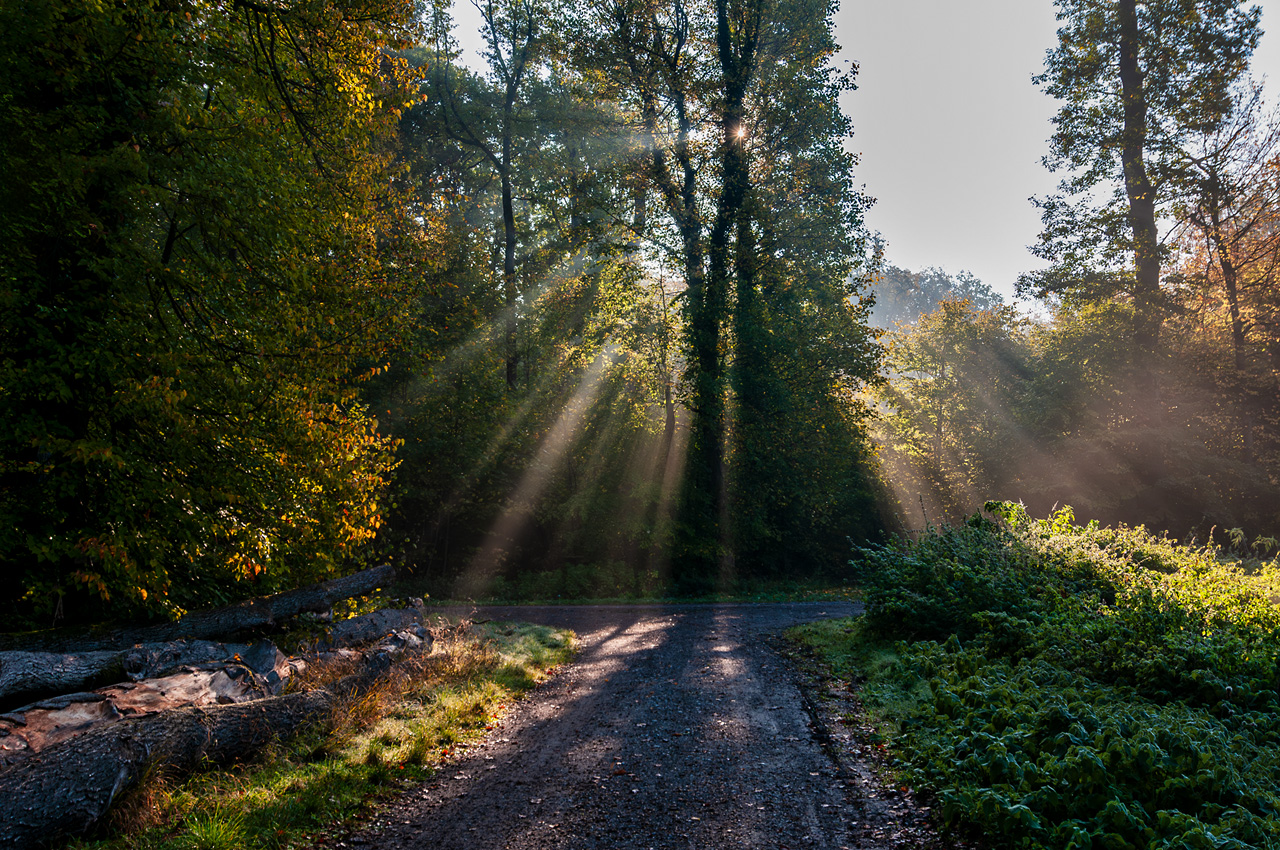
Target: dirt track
678,726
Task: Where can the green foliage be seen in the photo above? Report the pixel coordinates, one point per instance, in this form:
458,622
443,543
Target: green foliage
1070,686
955,580
1188,54
948,425
558,473
985,401
510,487
800,474
578,582
203,243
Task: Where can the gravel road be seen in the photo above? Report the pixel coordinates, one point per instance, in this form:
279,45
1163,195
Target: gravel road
675,726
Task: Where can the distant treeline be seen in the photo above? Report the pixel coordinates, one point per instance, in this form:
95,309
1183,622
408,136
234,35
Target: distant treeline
984,399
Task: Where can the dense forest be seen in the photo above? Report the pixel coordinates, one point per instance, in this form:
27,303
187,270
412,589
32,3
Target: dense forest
290,289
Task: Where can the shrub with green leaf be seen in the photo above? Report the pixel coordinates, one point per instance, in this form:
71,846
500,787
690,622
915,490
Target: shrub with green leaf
1074,686
204,244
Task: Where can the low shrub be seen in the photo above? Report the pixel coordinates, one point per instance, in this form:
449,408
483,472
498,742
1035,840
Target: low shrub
1062,686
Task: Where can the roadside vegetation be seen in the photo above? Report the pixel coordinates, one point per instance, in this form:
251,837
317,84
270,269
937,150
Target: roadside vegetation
293,288
1060,686
307,791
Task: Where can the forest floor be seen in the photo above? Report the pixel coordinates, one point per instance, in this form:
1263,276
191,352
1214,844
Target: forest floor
691,726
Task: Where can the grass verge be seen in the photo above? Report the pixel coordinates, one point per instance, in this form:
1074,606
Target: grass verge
1066,687
306,791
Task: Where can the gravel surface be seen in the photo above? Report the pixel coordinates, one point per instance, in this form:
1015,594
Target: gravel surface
675,726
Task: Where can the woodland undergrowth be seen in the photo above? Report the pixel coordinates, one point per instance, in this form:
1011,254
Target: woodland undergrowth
1059,686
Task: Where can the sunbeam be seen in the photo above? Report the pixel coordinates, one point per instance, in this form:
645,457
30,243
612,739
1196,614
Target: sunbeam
549,458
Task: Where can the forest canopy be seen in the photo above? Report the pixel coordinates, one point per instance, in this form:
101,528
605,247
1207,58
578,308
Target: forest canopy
290,288
204,244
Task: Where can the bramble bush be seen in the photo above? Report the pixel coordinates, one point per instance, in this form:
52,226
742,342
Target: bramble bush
1082,686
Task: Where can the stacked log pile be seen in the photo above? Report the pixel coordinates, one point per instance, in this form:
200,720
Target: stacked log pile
61,662
179,703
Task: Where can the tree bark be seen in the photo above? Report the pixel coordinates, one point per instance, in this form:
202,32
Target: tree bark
1137,185
1231,285
1147,405
29,675
260,613
25,676
190,674
510,289
707,512
372,626
512,71
67,788
23,673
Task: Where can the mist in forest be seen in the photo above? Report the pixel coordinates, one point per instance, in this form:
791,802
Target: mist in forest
595,308
985,402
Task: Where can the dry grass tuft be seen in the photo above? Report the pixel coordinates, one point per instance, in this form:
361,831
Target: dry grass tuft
322,672
455,657
145,806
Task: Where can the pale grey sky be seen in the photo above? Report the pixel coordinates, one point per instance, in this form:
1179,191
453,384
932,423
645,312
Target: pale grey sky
949,126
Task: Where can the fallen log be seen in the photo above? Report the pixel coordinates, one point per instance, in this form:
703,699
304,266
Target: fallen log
259,613
372,626
29,674
67,788
64,662
37,727
151,660
251,673
56,672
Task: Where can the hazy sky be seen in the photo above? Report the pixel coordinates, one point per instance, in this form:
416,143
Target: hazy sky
950,127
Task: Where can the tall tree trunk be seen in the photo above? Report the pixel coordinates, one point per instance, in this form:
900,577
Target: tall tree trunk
937,438
706,504
748,381
1145,396
1231,285
640,214
510,289
1137,185
699,531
